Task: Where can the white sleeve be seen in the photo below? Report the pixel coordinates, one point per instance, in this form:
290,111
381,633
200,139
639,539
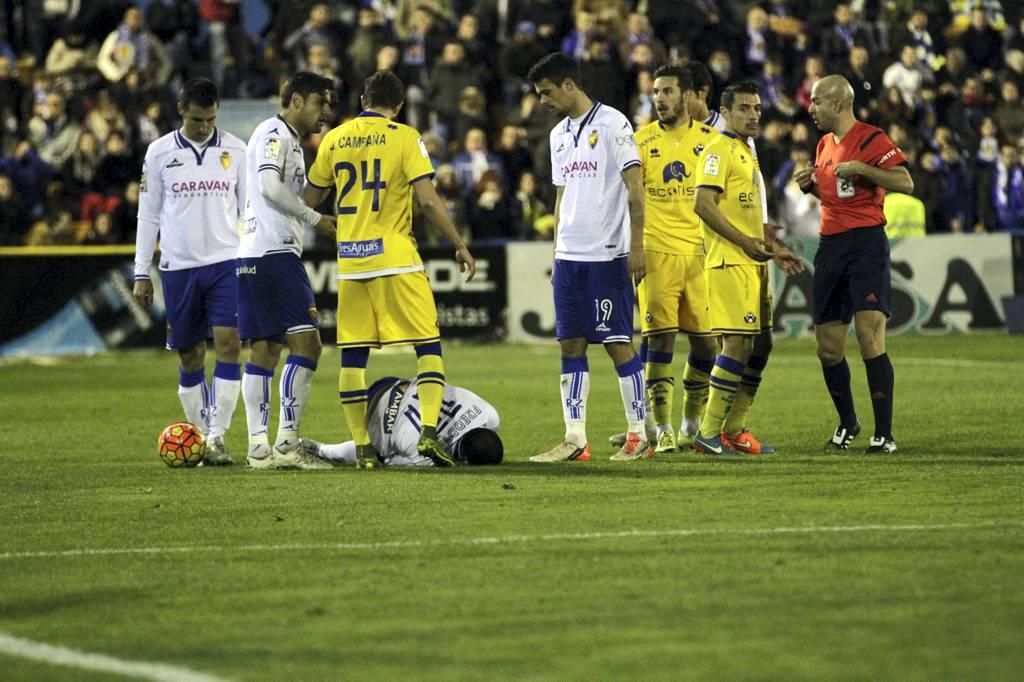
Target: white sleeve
151,197
240,188
557,178
277,193
623,145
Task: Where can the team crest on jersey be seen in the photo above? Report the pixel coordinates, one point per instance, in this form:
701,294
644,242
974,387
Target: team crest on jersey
225,160
593,138
712,164
698,149
272,150
750,318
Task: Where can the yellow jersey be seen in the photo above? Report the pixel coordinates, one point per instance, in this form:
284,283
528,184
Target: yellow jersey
728,166
372,162
669,159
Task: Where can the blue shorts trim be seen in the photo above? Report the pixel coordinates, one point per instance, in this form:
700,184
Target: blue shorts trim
274,297
594,301
198,299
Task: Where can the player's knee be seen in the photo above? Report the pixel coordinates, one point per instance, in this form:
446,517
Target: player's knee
620,352
704,347
829,355
192,358
661,343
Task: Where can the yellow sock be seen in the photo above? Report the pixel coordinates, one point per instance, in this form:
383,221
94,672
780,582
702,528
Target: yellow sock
430,386
725,381
660,386
696,376
352,391
737,419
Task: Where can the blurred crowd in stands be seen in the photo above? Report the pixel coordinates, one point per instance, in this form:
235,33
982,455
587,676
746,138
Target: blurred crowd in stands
86,85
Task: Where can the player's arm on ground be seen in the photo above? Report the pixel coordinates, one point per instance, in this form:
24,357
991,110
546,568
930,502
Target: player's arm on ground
151,197
633,178
437,212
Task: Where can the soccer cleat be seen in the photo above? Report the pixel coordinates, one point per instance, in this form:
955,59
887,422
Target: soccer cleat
711,445
619,439
666,442
217,453
367,457
294,457
430,448
880,445
564,452
634,448
260,457
744,441
311,448
841,439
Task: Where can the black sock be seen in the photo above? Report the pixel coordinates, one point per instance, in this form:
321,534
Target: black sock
837,380
880,383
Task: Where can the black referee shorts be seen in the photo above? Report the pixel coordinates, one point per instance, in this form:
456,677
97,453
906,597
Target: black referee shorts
851,273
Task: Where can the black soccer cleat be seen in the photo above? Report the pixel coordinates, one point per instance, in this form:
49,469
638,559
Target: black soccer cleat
841,439
880,445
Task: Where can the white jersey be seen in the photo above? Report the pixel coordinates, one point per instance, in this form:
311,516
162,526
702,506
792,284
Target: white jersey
274,147
192,195
717,121
588,156
394,424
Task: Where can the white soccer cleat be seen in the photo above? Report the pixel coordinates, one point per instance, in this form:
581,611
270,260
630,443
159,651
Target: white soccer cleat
217,453
260,456
295,457
634,448
564,452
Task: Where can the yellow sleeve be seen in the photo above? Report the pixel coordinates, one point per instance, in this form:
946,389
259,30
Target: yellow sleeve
320,173
712,168
415,159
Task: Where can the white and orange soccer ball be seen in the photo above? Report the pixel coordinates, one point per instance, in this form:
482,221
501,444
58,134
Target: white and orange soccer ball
181,445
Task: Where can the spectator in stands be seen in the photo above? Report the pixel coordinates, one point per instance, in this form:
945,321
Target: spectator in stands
55,228
638,30
799,213
14,218
117,167
988,145
450,76
78,175
603,73
954,73
44,21
864,80
493,213
11,94
846,32
73,58
927,47
514,155
30,175
1009,112
536,222
472,112
641,105
965,114
893,108
134,47
772,84
316,31
983,44
105,117
452,193
174,23
758,44
721,67
953,210
150,125
1000,196
814,71
227,42
419,48
101,230
576,43
1013,69
475,160
370,36
905,75
963,19
478,52
53,132
515,59
407,23
319,61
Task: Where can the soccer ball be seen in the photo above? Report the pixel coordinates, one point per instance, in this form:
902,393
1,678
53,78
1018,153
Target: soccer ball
181,445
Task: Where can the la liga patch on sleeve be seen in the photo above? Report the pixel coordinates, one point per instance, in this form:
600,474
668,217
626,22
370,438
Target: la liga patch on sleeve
711,164
272,150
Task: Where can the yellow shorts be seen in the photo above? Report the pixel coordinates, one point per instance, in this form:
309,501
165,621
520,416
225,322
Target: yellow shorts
389,310
672,295
739,299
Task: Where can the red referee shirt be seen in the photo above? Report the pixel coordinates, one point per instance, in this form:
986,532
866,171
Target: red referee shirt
845,204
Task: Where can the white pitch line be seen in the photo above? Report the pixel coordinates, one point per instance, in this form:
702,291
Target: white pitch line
83,660
500,540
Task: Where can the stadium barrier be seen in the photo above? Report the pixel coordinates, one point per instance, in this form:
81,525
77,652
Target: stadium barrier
60,300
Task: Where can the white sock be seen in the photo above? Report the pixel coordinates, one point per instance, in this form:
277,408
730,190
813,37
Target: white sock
195,398
634,395
224,388
256,397
296,381
575,387
339,452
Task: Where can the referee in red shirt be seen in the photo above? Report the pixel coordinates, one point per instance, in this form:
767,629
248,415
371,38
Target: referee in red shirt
854,166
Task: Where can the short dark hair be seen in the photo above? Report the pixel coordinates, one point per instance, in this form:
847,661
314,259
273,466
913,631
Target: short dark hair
701,76
304,84
383,89
480,446
745,87
199,91
555,67
681,75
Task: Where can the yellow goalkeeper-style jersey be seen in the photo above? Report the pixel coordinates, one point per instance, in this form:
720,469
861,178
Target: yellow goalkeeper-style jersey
372,162
669,159
729,167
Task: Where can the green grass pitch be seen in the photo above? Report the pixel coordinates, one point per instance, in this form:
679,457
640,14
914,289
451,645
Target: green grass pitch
793,566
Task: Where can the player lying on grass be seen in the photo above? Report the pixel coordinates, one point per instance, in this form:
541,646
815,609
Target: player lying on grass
467,427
